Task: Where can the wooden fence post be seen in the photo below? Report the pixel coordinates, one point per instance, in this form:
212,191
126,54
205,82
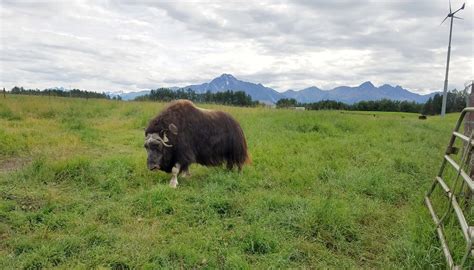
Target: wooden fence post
468,128
4,93
469,122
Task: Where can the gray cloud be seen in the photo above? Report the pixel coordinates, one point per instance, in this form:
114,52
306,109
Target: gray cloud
129,45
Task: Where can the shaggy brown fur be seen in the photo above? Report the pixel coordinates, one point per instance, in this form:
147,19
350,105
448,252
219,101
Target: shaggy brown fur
205,137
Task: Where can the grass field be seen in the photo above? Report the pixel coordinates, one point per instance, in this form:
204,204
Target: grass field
325,190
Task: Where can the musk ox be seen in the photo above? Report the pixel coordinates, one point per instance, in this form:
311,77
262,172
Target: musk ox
183,134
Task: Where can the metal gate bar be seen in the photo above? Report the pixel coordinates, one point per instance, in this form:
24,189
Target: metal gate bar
467,230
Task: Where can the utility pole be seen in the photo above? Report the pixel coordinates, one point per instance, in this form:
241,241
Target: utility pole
445,90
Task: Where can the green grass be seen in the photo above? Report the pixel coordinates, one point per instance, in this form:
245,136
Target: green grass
325,190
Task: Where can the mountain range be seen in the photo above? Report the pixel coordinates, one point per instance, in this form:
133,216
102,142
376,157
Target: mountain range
346,94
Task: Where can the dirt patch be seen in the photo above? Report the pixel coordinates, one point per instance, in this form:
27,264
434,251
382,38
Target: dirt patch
26,203
12,164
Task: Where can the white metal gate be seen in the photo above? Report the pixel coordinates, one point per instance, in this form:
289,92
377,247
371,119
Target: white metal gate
453,193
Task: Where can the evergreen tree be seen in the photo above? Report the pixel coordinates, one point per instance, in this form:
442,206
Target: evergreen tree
286,102
238,98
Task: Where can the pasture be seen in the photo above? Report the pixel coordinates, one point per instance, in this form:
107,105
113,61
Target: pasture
325,190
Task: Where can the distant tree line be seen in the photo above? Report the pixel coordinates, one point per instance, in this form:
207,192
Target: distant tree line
456,102
383,105
387,105
77,93
237,98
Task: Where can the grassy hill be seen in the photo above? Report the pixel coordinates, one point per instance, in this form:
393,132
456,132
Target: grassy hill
325,190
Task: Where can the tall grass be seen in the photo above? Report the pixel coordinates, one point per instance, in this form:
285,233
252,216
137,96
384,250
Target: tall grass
325,190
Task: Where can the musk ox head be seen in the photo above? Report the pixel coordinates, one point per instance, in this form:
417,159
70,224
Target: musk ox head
157,147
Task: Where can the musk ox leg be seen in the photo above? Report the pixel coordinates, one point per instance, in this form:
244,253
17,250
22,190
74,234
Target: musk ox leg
231,166
184,172
174,177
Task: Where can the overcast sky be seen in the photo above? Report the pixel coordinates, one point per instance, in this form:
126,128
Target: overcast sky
132,45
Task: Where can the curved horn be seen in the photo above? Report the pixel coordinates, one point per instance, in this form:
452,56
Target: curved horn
165,140
156,138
